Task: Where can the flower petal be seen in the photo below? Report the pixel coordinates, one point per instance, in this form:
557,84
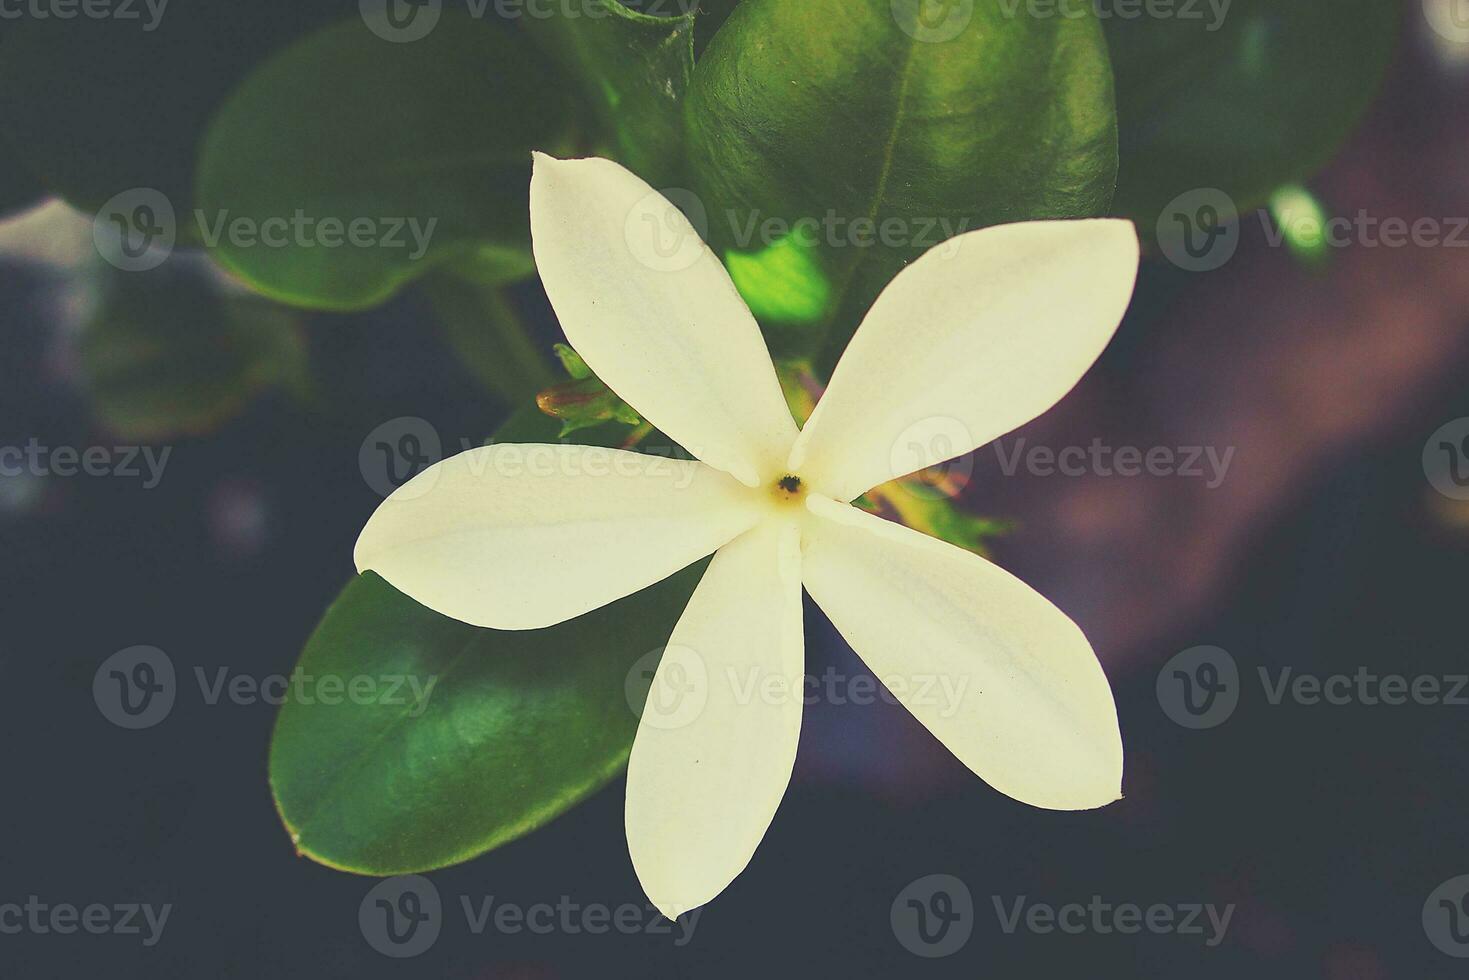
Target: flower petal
717,741
997,673
526,536
978,336
654,313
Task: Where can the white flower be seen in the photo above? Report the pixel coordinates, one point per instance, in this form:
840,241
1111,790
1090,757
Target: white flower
980,335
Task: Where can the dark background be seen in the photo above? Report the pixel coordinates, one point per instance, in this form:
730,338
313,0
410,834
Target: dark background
1325,550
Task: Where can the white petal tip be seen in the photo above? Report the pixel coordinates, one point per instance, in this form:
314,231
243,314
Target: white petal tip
1070,804
1077,800
669,911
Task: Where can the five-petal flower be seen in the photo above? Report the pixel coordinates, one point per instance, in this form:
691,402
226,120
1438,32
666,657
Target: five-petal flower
976,337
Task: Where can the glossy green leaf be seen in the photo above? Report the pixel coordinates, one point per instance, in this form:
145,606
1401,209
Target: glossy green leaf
169,353
634,67
485,329
96,106
1260,98
881,132
783,281
424,146
516,728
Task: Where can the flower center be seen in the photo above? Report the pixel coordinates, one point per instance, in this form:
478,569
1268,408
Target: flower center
789,489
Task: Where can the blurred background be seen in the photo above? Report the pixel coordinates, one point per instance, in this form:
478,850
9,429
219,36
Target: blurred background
1335,541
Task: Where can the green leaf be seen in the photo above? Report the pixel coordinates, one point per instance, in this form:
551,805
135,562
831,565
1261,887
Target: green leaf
925,503
486,331
426,146
635,70
518,726
167,353
782,282
1264,99
854,122
97,106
